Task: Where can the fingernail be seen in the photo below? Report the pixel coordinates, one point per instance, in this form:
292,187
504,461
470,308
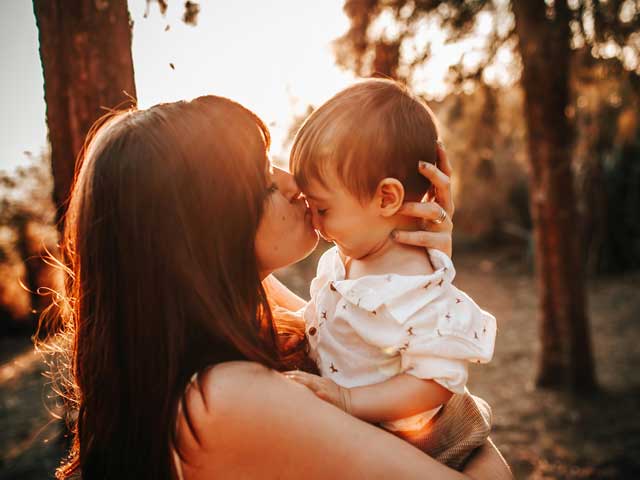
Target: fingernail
422,165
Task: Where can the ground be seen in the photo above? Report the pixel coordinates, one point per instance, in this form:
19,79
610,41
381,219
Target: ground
543,434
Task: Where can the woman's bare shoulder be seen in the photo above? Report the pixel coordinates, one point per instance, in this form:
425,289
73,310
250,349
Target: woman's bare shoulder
222,396
246,421
223,389
230,374
235,381
234,411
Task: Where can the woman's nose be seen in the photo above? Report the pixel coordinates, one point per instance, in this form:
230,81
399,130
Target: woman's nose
286,184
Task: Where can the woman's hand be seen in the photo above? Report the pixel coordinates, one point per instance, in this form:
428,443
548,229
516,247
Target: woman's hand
324,388
436,212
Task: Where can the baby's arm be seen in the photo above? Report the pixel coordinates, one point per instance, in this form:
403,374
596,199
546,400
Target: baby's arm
399,397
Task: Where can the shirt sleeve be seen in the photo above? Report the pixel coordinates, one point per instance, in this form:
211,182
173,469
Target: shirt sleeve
441,341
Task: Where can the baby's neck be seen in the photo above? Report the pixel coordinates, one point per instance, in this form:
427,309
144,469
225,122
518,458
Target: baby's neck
388,257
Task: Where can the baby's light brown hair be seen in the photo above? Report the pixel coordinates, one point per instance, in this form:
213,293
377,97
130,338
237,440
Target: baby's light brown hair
369,131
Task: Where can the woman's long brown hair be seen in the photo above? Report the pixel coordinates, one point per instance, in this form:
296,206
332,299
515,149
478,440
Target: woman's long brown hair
162,276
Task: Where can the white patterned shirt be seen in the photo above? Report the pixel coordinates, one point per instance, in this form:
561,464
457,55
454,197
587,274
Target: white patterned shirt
367,330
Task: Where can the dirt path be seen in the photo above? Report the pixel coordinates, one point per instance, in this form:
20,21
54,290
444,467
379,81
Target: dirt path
30,437
543,434
546,434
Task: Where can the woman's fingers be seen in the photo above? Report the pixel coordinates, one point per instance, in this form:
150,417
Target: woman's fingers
441,183
438,240
436,213
443,160
308,380
429,211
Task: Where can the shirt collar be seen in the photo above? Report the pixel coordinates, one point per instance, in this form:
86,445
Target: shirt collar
403,295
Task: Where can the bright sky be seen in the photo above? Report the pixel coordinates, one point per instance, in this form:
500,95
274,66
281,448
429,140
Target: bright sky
272,56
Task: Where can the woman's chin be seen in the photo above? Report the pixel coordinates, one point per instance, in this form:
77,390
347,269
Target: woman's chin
307,244
298,249
303,246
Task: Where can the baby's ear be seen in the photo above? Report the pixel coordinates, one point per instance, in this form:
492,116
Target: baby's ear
389,196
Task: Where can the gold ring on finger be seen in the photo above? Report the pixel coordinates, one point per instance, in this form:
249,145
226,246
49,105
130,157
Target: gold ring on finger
441,218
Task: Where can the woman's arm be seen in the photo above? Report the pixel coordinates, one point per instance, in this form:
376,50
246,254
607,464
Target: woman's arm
286,308
250,422
280,295
488,462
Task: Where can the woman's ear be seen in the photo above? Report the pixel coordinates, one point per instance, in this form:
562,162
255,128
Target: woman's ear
389,196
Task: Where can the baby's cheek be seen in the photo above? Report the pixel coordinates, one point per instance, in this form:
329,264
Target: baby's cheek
341,230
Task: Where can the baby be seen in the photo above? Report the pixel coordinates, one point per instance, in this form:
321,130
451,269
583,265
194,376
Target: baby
391,335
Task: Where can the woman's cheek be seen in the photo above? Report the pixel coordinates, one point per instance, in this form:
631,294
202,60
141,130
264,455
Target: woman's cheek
291,222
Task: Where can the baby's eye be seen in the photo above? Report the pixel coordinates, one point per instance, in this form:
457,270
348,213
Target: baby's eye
322,211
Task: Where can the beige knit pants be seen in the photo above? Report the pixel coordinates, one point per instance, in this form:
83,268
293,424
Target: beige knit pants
461,425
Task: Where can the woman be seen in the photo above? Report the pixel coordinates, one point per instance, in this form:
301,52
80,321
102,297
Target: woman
175,220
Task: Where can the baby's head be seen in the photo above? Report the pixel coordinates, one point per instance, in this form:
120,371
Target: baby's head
356,160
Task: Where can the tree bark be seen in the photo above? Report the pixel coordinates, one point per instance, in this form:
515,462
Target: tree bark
565,355
85,50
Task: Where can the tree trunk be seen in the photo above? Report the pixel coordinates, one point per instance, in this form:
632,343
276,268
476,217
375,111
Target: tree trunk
566,345
31,265
85,49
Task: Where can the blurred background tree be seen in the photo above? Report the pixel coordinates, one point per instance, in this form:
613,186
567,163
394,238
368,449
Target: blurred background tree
559,45
27,234
85,49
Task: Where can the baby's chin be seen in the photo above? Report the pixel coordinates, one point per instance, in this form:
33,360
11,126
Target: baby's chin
344,251
354,254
